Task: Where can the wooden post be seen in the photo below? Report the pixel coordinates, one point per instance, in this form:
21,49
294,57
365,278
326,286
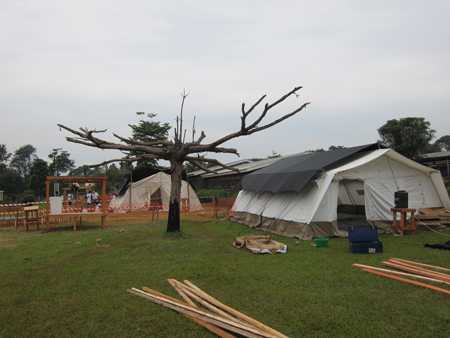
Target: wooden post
47,200
104,202
216,204
189,197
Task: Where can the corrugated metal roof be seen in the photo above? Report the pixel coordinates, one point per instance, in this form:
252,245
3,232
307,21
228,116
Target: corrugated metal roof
244,166
437,154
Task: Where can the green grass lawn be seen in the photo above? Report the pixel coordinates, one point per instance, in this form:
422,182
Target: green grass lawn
60,284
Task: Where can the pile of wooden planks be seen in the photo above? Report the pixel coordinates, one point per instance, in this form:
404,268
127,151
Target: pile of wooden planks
414,273
432,216
208,312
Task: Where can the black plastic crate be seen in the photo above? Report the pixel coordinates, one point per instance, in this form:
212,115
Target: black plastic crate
366,247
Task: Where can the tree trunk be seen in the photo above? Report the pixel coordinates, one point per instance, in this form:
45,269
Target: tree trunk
173,222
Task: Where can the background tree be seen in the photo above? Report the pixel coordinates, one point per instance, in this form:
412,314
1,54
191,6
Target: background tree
38,173
23,159
60,162
409,136
115,177
4,156
148,130
11,183
180,149
443,143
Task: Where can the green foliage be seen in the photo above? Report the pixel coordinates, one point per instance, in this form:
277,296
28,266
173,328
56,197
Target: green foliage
115,177
11,183
409,136
148,130
4,156
85,170
115,174
60,162
61,284
443,143
215,193
39,171
23,159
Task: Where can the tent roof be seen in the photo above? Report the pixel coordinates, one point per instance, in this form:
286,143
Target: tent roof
294,172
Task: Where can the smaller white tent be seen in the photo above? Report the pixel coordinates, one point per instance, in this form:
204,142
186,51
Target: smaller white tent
155,190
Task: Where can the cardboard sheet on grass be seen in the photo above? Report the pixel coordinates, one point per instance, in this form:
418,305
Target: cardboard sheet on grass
260,244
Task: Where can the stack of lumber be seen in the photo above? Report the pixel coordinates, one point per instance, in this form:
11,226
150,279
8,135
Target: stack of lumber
433,216
413,273
208,312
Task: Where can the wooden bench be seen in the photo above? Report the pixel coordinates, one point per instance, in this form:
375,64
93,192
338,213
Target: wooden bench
32,216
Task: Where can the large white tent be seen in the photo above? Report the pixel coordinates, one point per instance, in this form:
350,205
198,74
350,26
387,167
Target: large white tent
155,190
366,178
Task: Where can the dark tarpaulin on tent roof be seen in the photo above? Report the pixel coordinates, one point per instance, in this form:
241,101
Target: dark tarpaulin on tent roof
293,173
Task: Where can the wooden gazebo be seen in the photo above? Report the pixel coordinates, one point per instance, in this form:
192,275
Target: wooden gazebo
101,180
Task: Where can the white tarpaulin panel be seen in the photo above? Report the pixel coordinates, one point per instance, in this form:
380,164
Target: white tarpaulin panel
327,210
383,176
56,205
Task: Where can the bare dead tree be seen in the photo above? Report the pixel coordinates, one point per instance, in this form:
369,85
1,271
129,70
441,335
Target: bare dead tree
177,151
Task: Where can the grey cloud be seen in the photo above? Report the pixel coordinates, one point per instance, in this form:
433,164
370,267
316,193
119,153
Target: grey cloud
95,63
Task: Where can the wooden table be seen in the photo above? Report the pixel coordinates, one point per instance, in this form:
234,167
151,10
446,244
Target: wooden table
405,223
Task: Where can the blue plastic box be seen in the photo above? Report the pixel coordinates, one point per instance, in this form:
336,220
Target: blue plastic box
362,234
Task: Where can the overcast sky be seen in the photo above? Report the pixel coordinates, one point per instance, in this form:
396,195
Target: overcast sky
95,63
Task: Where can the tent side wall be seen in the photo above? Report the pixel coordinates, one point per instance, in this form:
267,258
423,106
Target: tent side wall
142,190
382,177
314,211
287,228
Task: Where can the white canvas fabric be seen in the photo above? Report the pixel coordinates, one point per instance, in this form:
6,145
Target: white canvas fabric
379,174
56,205
143,194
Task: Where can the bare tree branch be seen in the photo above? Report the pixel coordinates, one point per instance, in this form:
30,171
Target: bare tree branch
200,166
125,159
86,138
255,126
147,143
280,119
193,129
180,131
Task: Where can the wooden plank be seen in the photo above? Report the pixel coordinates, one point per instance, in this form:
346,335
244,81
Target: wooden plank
409,281
202,315
425,273
207,305
400,273
422,264
234,312
212,328
411,266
